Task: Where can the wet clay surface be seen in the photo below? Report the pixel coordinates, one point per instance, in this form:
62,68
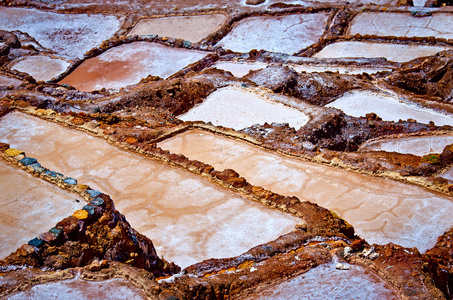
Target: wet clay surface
393,52
127,64
286,34
420,146
325,282
237,108
191,28
114,289
380,210
200,219
42,68
29,206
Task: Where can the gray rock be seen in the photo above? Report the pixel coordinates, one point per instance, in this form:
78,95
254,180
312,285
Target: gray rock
70,180
28,161
254,2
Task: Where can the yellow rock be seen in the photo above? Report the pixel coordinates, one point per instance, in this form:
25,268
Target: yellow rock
81,214
13,152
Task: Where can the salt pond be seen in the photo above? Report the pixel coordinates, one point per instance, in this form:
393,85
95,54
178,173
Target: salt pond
393,52
69,35
191,28
41,68
396,24
7,81
29,206
389,108
114,289
286,34
381,210
417,145
236,108
127,64
325,282
239,69
188,218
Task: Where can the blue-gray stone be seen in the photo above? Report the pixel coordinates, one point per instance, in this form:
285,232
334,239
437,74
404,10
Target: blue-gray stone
186,44
70,180
89,208
93,193
55,231
37,167
28,161
244,85
36,242
97,201
53,173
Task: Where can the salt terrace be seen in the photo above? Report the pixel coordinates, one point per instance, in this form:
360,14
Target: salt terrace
247,149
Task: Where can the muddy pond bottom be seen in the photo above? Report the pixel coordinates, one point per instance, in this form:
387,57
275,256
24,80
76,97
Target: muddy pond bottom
29,206
188,218
381,210
327,283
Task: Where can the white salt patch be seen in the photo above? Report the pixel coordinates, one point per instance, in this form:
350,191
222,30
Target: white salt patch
360,103
41,68
239,69
6,81
392,52
326,282
191,28
448,174
238,109
69,35
396,24
113,289
286,34
420,146
339,69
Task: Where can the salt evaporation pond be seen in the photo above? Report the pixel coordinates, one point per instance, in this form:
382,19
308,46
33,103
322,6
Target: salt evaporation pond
380,209
189,219
69,35
238,109
447,174
112,289
7,81
396,24
417,145
325,282
41,68
128,64
389,108
285,34
29,206
190,28
392,52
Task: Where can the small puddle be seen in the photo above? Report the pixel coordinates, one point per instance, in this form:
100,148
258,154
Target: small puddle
7,81
190,28
114,289
238,109
69,35
392,52
41,68
325,282
381,210
128,64
420,145
396,24
389,108
29,206
189,219
285,34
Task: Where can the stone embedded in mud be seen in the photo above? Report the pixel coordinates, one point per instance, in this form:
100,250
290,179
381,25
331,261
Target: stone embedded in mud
13,152
36,242
81,214
70,181
28,161
254,2
93,193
